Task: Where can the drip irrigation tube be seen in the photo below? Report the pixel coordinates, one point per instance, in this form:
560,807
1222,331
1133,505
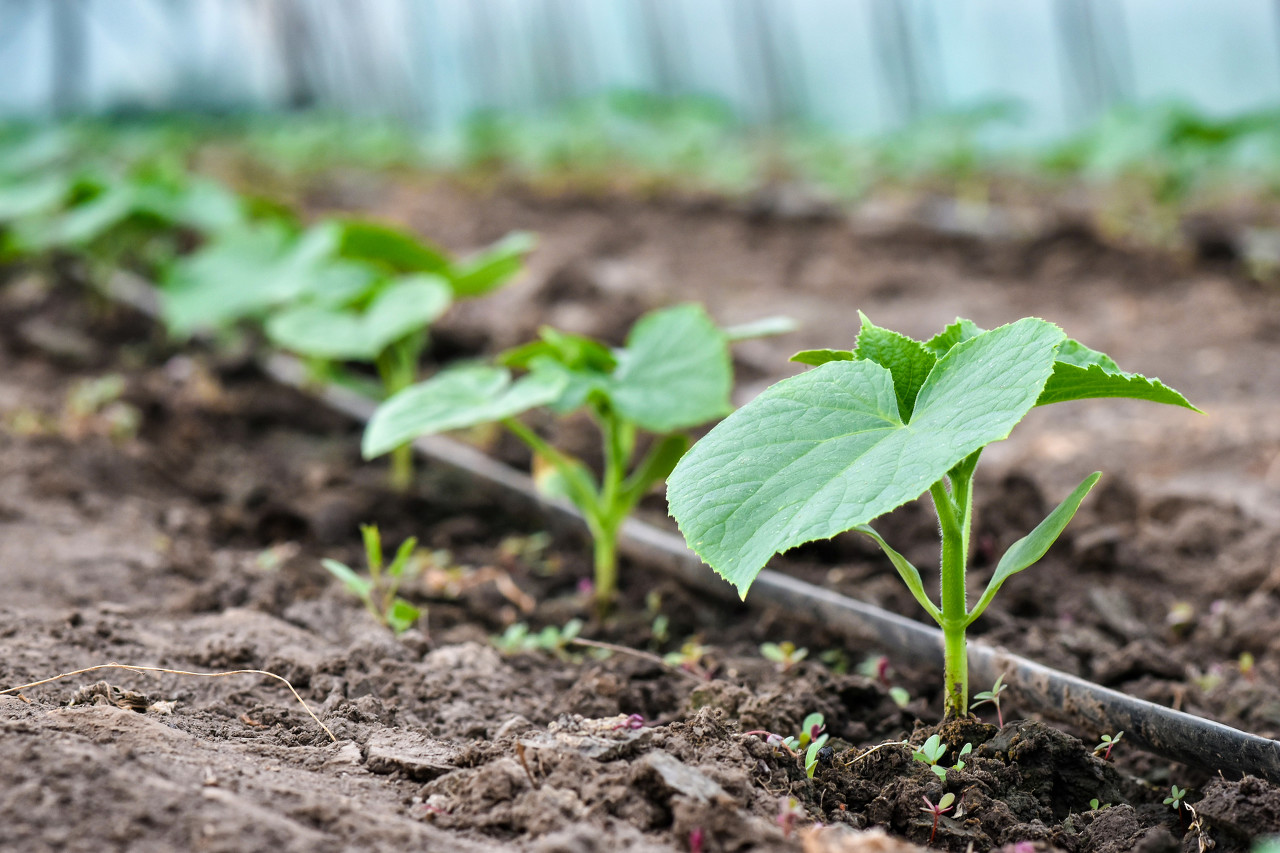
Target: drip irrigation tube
1163,731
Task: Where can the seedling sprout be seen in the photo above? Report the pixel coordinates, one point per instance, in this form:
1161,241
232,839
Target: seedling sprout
992,696
1107,744
378,590
872,428
784,654
945,804
1174,800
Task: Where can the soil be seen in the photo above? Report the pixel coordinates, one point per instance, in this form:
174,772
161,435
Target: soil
176,518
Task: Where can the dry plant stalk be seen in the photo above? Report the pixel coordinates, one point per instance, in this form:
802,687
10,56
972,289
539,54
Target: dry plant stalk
17,690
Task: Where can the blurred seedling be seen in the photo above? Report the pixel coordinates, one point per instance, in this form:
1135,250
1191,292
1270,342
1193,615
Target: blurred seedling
836,660
992,697
945,804
784,654
94,406
1096,806
1246,664
379,589
674,373
1107,743
877,667
532,550
689,658
552,639
1180,618
790,812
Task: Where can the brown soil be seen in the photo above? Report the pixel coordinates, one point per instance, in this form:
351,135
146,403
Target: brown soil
192,541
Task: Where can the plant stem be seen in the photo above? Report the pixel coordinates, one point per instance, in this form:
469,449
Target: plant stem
398,368
954,603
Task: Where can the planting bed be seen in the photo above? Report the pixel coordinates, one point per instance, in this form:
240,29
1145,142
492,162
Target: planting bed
181,523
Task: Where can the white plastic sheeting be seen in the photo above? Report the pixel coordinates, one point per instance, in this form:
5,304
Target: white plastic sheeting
850,65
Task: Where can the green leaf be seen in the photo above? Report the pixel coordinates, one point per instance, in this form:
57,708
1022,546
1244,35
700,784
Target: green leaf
1081,373
32,197
402,615
906,359
958,332
372,546
490,268
401,559
244,273
817,357
455,398
351,334
392,249
675,371
1030,548
825,451
358,584
909,573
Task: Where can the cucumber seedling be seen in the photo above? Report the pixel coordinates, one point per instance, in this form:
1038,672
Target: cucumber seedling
872,428
673,374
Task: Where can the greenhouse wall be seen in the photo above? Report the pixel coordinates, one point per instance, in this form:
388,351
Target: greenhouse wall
855,66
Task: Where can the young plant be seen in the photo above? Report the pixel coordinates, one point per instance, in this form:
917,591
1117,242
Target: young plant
553,639
871,428
992,696
673,374
945,804
931,752
378,590
1176,795
1108,743
784,654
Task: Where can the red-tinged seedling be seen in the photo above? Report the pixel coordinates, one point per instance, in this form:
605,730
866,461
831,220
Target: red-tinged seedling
379,589
1107,743
872,428
992,696
945,804
790,812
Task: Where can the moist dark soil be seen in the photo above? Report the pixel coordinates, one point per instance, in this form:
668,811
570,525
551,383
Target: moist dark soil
170,507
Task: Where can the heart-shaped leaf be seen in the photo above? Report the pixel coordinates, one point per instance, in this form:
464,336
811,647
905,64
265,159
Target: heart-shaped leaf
351,334
456,398
825,451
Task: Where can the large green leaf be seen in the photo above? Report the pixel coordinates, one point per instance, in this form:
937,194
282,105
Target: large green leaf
32,196
825,451
456,398
246,272
675,371
351,334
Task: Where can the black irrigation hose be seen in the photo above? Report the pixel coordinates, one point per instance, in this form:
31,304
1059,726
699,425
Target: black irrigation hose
1170,734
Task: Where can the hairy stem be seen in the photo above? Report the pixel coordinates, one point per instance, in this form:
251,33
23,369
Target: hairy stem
954,603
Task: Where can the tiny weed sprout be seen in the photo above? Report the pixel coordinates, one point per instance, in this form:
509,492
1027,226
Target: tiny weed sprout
784,654
673,374
1107,744
552,639
1174,800
992,696
872,428
930,753
945,804
790,812
900,696
378,590
689,658
1095,805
